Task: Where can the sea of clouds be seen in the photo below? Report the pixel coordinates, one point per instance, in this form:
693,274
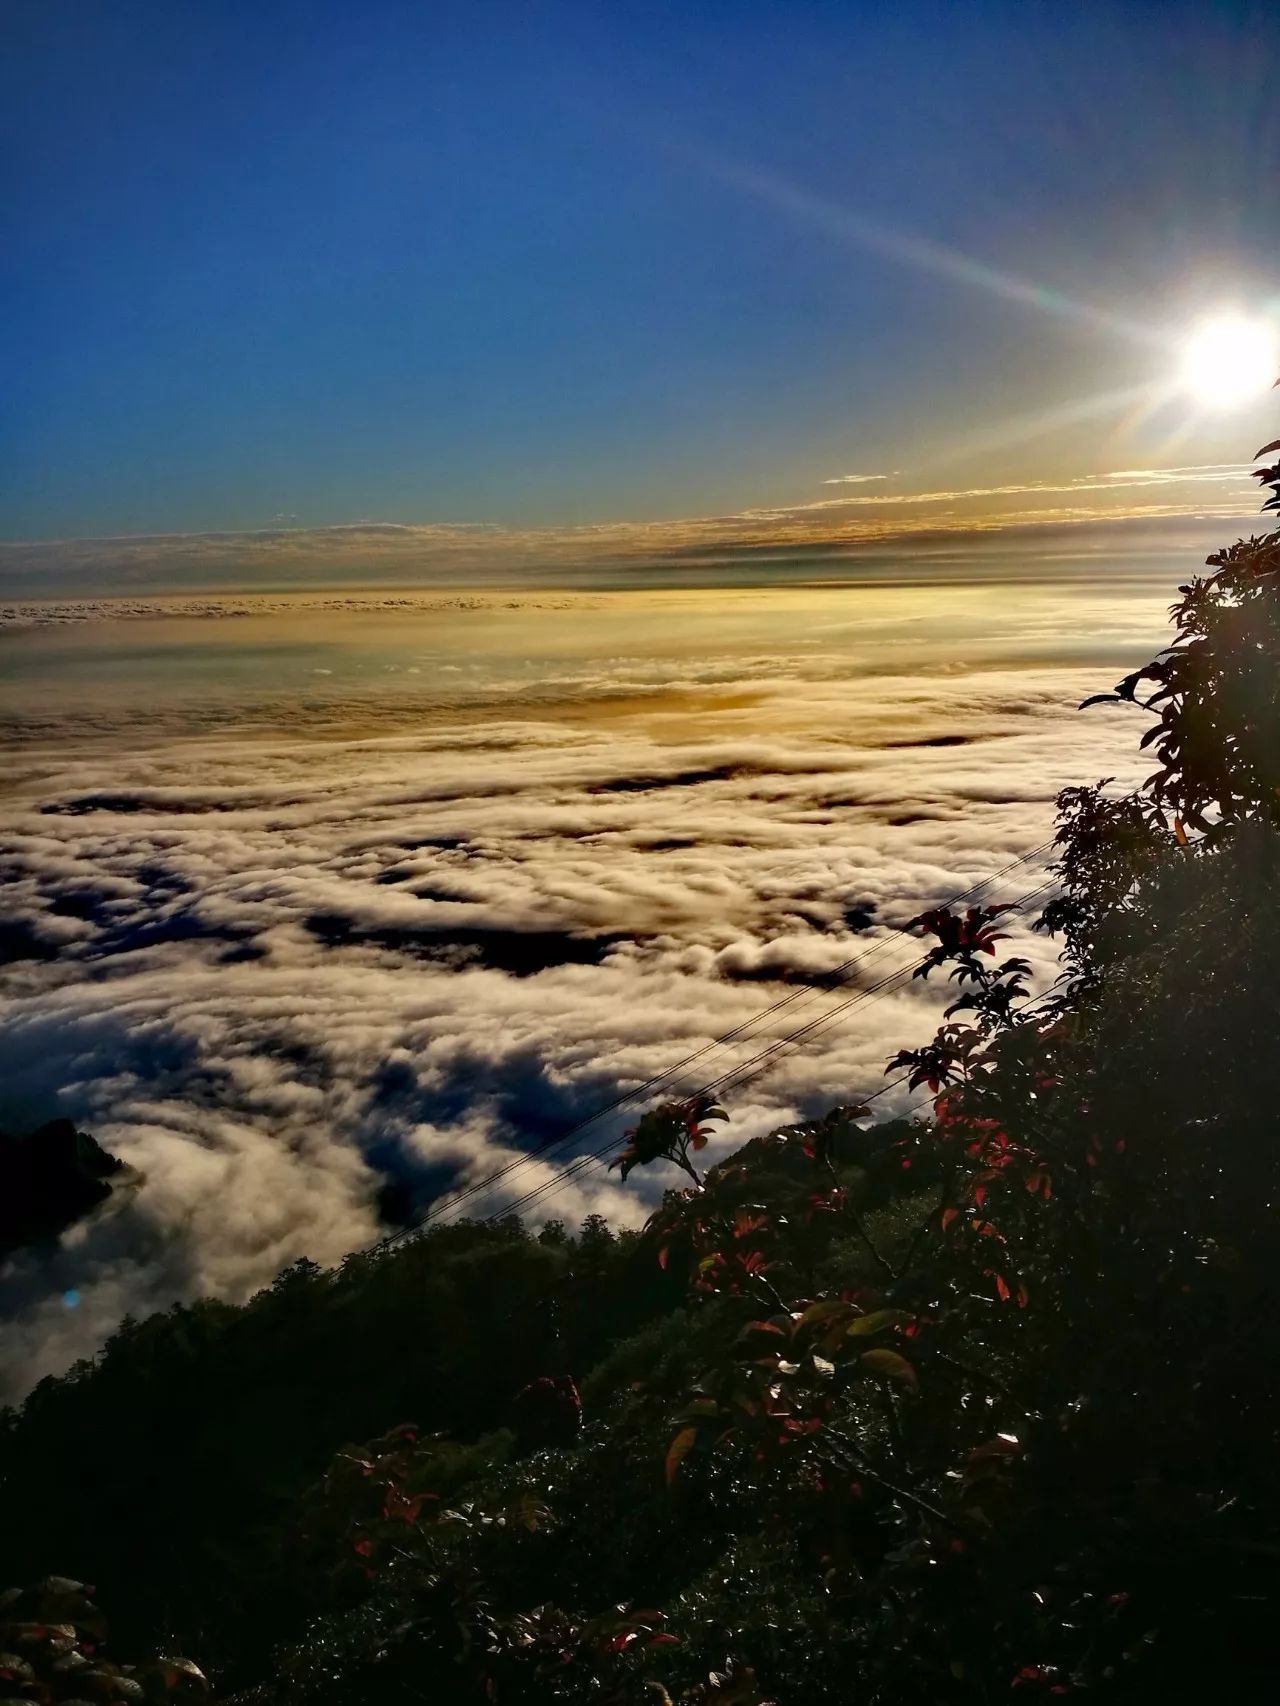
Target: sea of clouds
299,903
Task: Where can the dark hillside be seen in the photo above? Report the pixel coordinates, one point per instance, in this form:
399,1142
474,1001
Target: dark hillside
228,1414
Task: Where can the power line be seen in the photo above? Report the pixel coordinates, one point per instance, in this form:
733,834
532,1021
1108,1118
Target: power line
799,997
738,1075
904,974
873,992
591,1158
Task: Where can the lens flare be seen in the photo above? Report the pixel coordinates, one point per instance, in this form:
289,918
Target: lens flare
1230,360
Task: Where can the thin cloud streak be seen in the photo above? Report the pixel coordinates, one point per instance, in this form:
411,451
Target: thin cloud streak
1122,479
463,552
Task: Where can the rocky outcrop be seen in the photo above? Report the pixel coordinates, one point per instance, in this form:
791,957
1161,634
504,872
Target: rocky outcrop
48,1179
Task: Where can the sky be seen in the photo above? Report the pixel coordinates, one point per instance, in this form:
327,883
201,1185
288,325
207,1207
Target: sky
516,275
530,533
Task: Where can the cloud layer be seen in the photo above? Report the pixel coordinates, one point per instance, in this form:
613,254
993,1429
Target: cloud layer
907,519
272,962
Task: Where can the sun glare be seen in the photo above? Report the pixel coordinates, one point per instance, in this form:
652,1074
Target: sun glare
1229,360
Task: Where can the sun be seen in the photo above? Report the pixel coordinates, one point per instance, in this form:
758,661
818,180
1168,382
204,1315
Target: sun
1228,360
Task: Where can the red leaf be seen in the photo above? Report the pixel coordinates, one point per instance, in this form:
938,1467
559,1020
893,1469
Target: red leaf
678,1450
762,1327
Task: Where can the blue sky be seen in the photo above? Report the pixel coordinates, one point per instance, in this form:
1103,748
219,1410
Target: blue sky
548,265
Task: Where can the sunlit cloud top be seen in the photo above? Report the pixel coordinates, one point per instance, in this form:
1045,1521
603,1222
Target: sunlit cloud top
472,552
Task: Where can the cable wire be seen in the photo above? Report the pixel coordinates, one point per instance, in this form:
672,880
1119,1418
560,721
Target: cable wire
799,997
591,1158
739,1075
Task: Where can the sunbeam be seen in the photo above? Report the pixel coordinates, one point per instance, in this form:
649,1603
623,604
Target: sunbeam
921,252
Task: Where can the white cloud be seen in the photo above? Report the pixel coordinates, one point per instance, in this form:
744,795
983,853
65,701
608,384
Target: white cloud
1236,474
1193,471
281,964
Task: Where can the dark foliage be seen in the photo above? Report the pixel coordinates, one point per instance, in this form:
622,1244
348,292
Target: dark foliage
55,1645
228,1414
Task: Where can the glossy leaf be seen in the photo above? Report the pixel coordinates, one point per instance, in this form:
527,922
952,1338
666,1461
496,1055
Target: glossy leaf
678,1450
